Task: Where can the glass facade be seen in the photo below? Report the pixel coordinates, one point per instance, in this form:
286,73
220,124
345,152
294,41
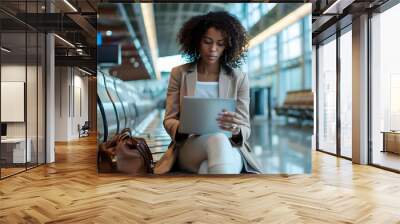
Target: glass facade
270,56
254,12
327,97
383,71
346,94
385,89
334,106
281,62
22,79
291,42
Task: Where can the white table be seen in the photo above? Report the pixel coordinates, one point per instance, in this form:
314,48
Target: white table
18,149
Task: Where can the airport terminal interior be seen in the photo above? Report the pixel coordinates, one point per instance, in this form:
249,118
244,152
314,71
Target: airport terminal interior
325,122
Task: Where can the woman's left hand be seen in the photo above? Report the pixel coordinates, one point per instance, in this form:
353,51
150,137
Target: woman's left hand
230,121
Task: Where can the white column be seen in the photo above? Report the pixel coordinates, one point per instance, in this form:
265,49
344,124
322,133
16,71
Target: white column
50,92
50,100
314,90
360,90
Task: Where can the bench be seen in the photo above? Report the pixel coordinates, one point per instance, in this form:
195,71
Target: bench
298,104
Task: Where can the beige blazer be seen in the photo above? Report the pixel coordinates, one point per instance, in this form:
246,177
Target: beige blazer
182,83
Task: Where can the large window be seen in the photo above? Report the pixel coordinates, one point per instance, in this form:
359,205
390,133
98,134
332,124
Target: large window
290,81
254,13
327,96
270,52
291,41
307,49
255,58
345,94
385,87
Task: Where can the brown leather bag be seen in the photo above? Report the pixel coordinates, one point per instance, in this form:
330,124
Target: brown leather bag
126,154
134,156
106,158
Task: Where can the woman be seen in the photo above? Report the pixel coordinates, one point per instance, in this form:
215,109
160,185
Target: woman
215,44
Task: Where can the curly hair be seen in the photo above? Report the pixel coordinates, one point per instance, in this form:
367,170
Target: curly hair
190,35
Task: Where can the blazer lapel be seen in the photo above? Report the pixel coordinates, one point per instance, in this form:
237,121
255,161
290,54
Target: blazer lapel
224,83
191,79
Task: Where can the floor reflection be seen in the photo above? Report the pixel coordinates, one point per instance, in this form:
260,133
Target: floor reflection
281,148
386,159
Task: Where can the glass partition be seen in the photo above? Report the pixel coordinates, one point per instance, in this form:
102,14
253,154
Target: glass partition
15,149
327,96
22,89
346,94
385,89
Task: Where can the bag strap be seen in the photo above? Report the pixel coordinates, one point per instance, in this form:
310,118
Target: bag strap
141,147
148,155
144,150
127,131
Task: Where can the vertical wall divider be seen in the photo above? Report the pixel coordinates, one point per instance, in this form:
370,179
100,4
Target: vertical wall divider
1,166
316,96
303,52
338,98
369,97
69,92
45,93
26,86
46,34
73,93
37,90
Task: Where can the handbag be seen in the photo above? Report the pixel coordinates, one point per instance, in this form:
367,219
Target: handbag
126,154
106,158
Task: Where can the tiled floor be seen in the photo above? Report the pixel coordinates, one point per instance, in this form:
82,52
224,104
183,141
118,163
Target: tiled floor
280,147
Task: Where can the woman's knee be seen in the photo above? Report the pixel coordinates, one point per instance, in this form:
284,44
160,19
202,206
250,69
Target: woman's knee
217,139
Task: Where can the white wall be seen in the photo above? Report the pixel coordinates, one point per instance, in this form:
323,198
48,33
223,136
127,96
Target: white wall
34,125
61,103
71,94
17,73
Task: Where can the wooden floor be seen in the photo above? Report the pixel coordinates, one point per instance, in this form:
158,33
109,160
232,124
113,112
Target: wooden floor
70,191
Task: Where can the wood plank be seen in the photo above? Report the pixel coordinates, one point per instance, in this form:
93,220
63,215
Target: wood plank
71,191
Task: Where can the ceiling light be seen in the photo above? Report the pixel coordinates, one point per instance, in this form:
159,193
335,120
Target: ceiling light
136,64
70,5
65,41
108,33
151,32
5,49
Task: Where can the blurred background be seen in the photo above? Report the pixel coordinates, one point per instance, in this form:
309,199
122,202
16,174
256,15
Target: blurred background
137,49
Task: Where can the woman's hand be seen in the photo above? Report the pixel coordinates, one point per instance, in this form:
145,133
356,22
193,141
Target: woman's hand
230,121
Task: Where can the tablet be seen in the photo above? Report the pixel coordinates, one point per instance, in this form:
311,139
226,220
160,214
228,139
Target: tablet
198,115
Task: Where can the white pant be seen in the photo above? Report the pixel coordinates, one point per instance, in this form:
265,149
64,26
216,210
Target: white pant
212,154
